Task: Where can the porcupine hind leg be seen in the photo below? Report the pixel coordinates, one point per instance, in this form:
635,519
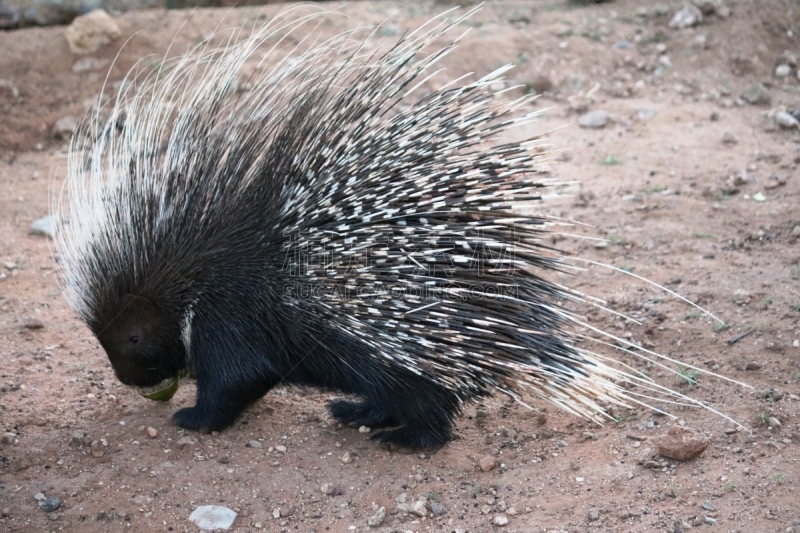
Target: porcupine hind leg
424,412
364,413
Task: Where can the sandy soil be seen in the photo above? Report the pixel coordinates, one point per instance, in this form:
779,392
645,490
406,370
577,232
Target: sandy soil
658,182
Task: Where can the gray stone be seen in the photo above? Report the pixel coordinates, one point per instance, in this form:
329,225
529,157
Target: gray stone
593,119
44,226
786,120
687,17
65,127
501,520
377,518
213,517
419,508
437,508
756,94
783,71
49,505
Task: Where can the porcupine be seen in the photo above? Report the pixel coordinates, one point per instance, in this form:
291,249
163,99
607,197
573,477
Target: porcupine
316,230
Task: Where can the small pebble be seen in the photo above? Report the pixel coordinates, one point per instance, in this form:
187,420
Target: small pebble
783,70
253,444
45,225
328,489
594,515
501,520
708,506
757,94
49,505
786,120
419,508
152,432
281,449
8,437
377,518
213,517
437,508
686,17
346,458
32,323
65,127
593,119
364,429
487,463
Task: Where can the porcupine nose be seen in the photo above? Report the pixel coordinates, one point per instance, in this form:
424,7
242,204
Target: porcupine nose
134,373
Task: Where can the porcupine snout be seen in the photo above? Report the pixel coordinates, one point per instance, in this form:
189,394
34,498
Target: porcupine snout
141,346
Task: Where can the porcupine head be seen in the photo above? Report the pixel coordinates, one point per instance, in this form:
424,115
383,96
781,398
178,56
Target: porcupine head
143,343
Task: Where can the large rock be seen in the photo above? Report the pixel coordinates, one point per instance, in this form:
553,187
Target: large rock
682,444
91,32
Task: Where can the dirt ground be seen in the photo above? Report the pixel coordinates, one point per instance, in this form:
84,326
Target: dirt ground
690,186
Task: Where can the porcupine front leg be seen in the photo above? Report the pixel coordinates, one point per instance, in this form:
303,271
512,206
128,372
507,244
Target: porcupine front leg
219,405
231,374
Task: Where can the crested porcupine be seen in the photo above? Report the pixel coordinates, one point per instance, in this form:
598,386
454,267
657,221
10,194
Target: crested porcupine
316,230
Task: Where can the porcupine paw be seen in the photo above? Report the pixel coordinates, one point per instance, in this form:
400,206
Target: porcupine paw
413,438
198,419
361,414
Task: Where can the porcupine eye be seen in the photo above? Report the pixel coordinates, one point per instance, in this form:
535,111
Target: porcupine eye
134,339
